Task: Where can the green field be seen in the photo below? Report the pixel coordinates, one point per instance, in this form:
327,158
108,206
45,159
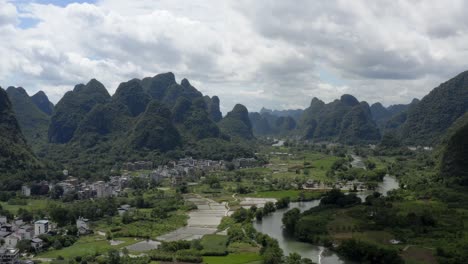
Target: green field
32,205
87,245
214,243
143,228
234,259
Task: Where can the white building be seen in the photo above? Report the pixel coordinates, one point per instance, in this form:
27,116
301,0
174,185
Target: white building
41,227
26,190
82,225
12,240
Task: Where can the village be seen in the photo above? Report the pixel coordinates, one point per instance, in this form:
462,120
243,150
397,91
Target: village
177,172
14,231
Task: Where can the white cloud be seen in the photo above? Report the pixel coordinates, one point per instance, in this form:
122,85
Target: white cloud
260,53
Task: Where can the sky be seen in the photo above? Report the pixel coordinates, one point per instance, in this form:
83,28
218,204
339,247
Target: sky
263,53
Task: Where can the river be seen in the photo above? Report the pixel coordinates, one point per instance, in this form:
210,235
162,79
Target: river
272,225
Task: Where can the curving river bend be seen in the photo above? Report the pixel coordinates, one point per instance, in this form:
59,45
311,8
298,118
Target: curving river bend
272,225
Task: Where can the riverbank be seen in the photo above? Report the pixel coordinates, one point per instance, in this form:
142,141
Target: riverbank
272,225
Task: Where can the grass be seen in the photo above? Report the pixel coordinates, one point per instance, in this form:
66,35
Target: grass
419,255
32,205
214,243
234,259
143,228
87,245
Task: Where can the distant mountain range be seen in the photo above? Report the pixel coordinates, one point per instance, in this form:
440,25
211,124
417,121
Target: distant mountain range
421,122
144,119
157,118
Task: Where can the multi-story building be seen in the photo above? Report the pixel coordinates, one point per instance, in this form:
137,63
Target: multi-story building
41,227
9,256
12,240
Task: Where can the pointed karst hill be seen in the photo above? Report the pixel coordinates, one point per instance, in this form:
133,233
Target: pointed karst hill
436,112
176,91
260,124
73,108
397,112
237,123
193,119
132,95
284,124
33,122
15,154
454,162
42,102
154,130
308,120
380,114
357,126
157,86
334,120
393,124
268,123
212,105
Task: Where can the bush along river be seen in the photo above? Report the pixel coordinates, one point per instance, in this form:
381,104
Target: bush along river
272,225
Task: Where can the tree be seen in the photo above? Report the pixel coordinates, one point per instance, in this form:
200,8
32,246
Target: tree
57,245
283,203
290,219
259,214
127,218
56,192
159,212
24,245
293,258
272,255
113,256
269,208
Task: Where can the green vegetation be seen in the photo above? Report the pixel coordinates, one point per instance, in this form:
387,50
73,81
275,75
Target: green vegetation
437,111
42,102
17,162
345,120
73,107
237,123
454,163
266,123
88,245
238,258
33,122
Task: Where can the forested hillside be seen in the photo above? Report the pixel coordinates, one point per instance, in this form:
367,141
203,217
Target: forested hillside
437,111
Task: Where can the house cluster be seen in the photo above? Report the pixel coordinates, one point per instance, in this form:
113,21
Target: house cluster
87,190
11,233
341,185
189,169
416,148
186,169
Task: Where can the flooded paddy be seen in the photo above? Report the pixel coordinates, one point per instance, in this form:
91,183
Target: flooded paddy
202,221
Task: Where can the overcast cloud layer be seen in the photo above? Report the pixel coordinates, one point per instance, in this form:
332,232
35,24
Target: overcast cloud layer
277,54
